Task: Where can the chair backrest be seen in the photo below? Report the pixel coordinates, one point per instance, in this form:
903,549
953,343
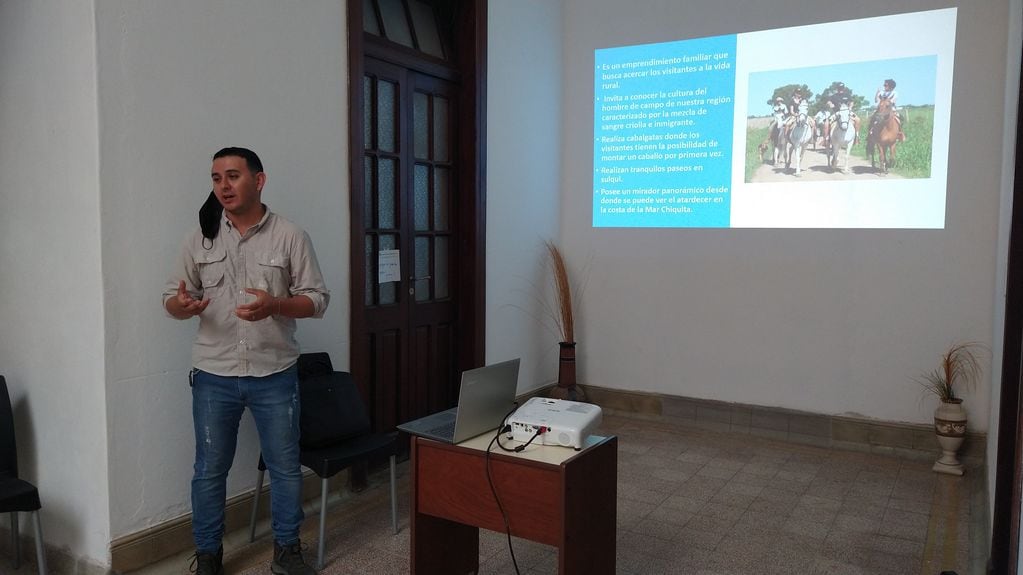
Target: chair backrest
331,409
8,447
317,363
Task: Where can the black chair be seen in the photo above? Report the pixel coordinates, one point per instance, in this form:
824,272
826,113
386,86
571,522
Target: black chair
16,494
336,434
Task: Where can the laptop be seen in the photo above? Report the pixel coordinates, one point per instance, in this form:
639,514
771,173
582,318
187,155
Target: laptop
485,397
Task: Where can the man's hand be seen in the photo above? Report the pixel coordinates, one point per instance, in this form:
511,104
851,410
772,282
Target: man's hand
263,307
183,305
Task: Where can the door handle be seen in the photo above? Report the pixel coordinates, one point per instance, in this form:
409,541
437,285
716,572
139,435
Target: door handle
412,280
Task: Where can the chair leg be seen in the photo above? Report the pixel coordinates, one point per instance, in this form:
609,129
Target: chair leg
394,497
255,506
40,546
323,522
15,539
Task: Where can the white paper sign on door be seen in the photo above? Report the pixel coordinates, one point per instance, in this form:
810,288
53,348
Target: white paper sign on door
388,266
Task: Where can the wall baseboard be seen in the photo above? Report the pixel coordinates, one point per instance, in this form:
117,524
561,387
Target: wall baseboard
173,536
915,441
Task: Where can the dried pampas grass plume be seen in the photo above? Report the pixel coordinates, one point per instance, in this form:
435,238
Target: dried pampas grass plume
563,293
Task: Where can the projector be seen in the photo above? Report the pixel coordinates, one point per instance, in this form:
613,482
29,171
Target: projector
567,423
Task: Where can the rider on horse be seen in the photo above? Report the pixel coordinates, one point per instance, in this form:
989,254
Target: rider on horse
842,96
780,107
820,119
800,110
780,111
887,92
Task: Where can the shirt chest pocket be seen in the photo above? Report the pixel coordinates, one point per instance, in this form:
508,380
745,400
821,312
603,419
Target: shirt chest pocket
272,273
212,266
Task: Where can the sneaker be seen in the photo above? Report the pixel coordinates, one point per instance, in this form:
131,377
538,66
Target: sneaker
288,560
208,563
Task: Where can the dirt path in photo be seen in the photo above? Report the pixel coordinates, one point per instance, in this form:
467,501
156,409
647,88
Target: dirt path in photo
815,169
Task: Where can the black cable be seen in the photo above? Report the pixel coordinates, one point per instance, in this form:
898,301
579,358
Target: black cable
539,431
505,428
504,515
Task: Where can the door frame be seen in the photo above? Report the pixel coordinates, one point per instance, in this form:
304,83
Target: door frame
1008,466
470,253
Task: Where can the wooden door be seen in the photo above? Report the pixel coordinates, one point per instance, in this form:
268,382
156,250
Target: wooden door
410,174
417,143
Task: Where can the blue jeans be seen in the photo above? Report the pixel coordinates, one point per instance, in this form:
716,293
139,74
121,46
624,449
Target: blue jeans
217,406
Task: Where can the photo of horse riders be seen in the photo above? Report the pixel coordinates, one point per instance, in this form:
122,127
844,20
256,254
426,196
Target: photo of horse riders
835,123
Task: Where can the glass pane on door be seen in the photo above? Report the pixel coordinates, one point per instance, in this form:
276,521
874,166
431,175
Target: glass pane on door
440,129
422,268
421,202
421,125
441,193
387,115
387,194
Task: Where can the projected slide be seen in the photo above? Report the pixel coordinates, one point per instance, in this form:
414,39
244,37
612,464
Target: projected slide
804,127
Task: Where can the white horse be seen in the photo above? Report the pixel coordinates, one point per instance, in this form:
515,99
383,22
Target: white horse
799,137
843,134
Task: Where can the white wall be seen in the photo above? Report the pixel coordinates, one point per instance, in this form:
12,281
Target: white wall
524,87
827,321
97,194
177,83
51,309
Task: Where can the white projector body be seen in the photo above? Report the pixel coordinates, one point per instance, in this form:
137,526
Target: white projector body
568,423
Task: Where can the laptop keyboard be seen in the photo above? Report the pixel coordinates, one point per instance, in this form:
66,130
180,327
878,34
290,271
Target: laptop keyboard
446,430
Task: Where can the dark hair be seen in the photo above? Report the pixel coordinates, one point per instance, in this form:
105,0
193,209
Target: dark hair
890,81
211,210
250,157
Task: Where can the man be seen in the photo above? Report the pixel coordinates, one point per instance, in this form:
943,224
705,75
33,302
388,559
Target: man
843,96
780,108
800,111
247,274
819,120
888,92
779,112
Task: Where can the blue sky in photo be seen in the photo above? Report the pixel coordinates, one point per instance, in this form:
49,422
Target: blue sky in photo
914,78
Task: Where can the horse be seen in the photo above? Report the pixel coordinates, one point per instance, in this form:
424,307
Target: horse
799,136
884,133
777,137
843,133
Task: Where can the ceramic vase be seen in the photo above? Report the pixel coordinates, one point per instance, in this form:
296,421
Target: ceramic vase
566,364
567,387
950,427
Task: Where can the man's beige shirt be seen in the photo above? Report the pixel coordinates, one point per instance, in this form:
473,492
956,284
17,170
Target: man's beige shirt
276,256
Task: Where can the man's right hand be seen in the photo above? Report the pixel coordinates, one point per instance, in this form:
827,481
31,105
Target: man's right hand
183,305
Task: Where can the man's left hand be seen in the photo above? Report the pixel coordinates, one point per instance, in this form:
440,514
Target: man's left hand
263,307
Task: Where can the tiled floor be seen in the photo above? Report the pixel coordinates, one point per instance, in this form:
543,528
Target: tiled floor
698,501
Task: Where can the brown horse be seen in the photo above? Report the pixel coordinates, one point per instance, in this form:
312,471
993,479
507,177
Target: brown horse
884,133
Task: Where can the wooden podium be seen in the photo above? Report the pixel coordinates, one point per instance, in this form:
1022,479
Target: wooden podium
552,495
